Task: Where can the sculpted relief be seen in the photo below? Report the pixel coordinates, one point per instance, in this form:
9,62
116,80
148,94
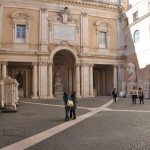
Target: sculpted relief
65,15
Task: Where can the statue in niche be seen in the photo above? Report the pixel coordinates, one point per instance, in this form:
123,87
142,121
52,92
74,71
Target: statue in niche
58,81
65,15
131,72
19,78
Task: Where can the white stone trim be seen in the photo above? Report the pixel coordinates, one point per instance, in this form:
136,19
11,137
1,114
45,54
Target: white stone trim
20,18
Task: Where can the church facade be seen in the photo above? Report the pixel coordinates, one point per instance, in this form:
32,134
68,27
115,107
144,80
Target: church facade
56,46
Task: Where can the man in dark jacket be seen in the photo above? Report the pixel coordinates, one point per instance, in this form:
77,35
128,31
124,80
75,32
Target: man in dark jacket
67,109
114,94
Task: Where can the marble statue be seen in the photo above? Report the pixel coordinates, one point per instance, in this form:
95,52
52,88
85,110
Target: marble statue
131,73
65,15
123,89
132,81
58,84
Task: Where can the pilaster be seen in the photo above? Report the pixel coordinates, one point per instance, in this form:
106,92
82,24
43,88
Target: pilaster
50,80
78,81
1,12
84,31
43,29
115,76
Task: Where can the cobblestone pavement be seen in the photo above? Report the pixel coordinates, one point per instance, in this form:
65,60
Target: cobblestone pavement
123,126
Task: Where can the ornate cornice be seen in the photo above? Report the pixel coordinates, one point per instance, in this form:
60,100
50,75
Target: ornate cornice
90,4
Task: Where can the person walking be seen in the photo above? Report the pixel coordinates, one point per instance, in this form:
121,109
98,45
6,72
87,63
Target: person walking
73,109
114,94
141,95
67,109
134,94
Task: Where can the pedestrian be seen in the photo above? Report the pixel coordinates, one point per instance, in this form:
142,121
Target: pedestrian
134,94
73,109
141,95
114,94
67,109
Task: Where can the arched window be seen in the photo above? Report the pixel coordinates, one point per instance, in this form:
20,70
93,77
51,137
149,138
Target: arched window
136,36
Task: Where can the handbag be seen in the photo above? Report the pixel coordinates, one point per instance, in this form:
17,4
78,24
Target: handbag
70,103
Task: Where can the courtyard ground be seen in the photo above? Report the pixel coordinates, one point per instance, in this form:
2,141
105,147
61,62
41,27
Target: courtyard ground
100,125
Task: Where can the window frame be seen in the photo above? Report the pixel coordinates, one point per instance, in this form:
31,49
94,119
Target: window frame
103,45
102,27
19,18
135,16
136,36
20,39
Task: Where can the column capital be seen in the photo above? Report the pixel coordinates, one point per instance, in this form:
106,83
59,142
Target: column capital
43,10
43,63
50,63
84,14
115,66
77,64
4,63
121,66
84,64
34,63
91,65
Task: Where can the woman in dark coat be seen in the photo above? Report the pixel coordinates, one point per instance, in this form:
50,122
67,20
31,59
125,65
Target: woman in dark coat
67,109
73,109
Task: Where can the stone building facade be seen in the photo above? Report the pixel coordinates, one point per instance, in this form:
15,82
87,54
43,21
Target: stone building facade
136,41
52,46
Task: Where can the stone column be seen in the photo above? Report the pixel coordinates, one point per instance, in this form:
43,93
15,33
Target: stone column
85,80
50,80
70,79
34,81
121,76
115,76
1,93
4,70
84,29
78,81
43,80
91,80
1,18
104,81
43,28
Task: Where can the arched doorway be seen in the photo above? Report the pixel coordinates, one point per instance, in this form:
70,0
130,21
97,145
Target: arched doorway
63,72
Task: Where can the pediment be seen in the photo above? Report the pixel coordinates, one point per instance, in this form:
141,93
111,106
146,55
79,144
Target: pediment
102,24
20,15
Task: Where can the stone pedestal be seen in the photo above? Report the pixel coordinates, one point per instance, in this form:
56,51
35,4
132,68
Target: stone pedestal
146,93
1,93
129,88
58,88
10,95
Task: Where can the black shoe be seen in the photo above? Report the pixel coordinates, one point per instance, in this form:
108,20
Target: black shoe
66,119
74,117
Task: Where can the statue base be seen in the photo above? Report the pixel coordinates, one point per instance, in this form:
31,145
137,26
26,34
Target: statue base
21,93
9,108
59,95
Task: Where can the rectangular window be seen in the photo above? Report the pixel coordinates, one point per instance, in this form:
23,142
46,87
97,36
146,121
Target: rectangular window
102,39
21,31
135,16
